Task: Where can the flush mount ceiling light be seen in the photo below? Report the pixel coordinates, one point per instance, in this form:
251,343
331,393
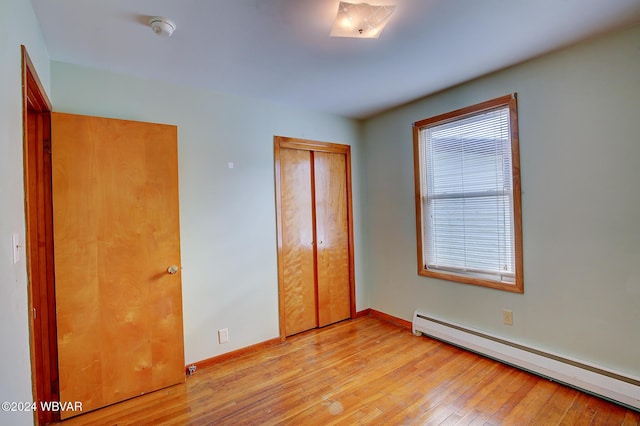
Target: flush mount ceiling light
162,26
360,20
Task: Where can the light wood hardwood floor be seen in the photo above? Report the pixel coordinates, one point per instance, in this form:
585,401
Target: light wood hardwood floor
363,371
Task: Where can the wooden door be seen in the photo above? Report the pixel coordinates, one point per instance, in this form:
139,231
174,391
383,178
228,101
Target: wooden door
116,231
315,243
332,236
298,251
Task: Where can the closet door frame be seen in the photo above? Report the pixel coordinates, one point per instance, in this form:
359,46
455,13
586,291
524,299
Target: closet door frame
281,142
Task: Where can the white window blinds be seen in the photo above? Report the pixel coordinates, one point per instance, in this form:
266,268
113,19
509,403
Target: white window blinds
467,196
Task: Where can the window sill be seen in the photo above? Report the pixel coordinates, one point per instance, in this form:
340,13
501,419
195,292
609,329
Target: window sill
517,287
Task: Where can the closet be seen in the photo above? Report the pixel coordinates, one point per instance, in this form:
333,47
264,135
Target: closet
315,234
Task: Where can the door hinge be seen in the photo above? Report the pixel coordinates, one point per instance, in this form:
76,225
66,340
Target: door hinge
34,313
46,146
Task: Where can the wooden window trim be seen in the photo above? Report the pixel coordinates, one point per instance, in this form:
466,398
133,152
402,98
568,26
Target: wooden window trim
504,101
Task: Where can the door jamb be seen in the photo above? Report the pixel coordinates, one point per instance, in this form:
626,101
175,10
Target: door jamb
36,122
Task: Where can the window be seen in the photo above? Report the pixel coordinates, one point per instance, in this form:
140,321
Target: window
468,209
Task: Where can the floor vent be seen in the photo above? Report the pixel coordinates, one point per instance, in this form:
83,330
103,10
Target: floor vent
617,387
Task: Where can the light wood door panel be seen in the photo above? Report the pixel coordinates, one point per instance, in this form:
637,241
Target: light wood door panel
116,231
332,237
315,234
297,258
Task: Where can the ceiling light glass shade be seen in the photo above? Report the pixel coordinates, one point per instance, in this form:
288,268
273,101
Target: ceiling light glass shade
360,20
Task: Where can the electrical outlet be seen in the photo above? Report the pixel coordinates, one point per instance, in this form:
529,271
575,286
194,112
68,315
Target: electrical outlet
223,335
507,317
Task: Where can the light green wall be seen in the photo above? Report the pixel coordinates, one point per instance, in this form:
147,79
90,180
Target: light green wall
579,117
579,126
228,230
18,25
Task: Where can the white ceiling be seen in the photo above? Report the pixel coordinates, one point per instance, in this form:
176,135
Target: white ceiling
280,50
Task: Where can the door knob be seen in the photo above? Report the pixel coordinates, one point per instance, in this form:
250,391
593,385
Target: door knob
172,269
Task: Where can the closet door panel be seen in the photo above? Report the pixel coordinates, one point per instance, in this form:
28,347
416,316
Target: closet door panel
297,259
332,236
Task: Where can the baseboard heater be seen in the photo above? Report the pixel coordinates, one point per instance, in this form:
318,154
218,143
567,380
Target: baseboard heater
611,385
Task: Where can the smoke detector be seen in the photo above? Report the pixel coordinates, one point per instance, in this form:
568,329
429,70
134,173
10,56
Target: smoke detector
162,26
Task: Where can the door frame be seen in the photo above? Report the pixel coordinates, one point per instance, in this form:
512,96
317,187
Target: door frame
280,142
36,122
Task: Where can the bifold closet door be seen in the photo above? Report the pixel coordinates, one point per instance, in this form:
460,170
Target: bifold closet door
297,255
332,236
314,236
